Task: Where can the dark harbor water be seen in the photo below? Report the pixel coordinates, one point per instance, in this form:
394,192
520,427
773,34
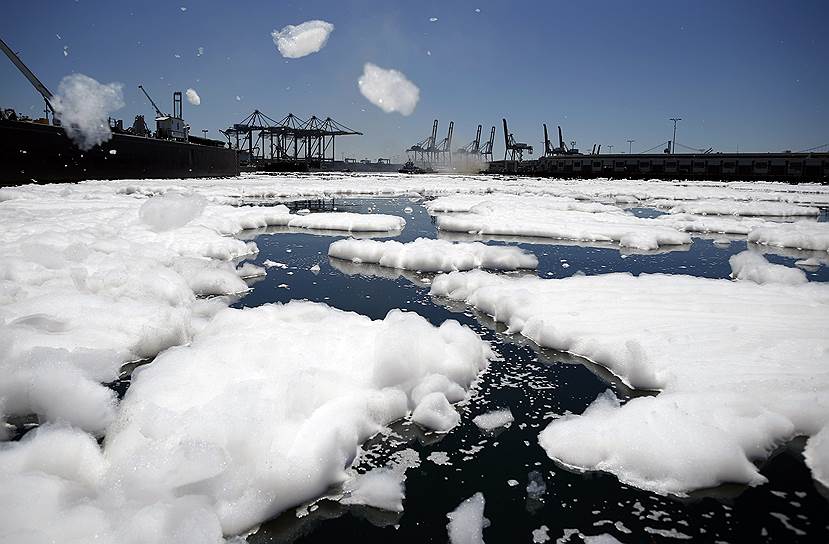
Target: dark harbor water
536,385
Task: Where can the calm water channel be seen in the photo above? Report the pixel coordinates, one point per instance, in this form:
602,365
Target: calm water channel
535,384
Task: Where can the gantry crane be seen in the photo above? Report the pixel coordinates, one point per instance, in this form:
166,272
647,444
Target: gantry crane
473,147
562,148
486,151
444,148
514,150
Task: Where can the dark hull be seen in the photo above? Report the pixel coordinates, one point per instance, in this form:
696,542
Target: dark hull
42,153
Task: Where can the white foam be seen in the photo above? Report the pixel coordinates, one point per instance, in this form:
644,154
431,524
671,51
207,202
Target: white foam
388,89
295,41
250,270
435,413
799,235
687,222
739,365
817,455
349,222
193,97
493,201
467,521
264,409
379,488
84,105
602,539
753,267
519,216
91,281
171,210
730,207
494,419
430,255
541,535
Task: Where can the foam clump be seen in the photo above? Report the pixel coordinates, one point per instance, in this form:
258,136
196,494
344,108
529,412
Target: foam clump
350,222
736,207
57,486
379,488
817,456
799,235
751,266
429,255
264,409
388,89
193,97
488,203
687,222
467,521
493,420
603,538
536,486
300,385
296,41
541,535
734,384
510,215
250,270
90,284
83,106
171,210
435,413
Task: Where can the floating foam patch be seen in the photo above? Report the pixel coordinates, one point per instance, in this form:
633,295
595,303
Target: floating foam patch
740,366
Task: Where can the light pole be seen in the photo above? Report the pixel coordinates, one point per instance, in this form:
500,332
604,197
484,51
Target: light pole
673,142
205,131
610,146
630,146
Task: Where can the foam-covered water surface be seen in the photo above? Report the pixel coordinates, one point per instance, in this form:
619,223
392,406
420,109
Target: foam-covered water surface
523,488
411,372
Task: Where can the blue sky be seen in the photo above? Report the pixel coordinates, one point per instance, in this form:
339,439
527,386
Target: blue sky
753,74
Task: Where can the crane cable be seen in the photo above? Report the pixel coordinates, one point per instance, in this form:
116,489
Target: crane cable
654,147
814,148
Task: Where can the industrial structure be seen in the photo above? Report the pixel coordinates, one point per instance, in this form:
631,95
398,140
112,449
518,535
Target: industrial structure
473,148
430,152
562,148
486,151
288,144
168,126
568,162
514,151
41,150
790,167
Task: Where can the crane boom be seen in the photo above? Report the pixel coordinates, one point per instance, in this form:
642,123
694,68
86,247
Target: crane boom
157,111
40,87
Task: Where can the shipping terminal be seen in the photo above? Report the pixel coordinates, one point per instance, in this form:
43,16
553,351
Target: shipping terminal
40,150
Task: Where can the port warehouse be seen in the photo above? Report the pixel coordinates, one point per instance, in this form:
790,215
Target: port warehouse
791,167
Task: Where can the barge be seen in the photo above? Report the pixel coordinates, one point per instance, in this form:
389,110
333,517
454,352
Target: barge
42,152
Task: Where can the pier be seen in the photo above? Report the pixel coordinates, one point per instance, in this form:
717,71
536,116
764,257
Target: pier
788,167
